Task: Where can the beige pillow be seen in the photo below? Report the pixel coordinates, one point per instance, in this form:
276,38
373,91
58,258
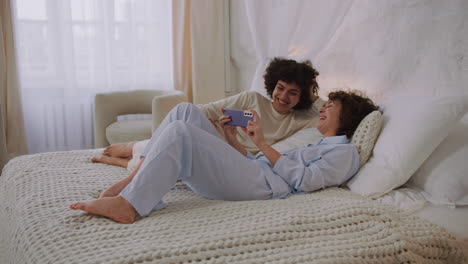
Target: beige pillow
366,134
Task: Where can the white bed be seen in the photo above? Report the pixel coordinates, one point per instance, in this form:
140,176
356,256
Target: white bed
330,226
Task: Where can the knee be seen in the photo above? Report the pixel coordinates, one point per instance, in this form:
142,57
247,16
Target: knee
178,127
186,107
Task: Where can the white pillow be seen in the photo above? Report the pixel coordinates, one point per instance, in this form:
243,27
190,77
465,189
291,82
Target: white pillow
444,175
413,127
366,134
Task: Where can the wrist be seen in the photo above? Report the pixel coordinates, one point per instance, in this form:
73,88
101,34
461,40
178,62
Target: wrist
262,145
231,138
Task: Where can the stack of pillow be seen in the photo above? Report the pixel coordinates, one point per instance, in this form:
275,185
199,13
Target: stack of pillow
422,143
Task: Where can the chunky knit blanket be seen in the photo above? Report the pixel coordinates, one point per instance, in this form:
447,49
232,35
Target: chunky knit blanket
329,226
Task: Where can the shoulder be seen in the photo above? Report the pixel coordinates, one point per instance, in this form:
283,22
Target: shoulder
336,148
253,98
252,94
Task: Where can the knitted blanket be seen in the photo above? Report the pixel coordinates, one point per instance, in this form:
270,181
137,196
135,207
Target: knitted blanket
329,226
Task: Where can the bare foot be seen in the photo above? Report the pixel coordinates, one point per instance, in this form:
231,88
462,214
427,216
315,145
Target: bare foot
120,150
115,188
122,162
115,208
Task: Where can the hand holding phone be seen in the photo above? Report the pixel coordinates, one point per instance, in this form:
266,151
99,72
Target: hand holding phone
238,117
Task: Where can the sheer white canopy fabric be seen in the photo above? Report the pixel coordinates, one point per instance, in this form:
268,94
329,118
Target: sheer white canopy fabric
70,50
382,47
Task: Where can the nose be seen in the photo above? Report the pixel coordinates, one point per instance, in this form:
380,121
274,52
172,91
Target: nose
282,95
322,109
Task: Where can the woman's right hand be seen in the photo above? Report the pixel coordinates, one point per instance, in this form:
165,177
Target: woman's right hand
230,132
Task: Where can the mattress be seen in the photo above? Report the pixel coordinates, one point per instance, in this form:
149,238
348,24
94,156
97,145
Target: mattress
329,226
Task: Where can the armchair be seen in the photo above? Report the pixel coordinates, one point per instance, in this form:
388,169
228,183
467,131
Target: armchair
108,106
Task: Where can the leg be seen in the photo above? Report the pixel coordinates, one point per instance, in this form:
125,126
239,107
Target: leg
116,154
219,172
207,164
119,150
117,187
109,160
186,112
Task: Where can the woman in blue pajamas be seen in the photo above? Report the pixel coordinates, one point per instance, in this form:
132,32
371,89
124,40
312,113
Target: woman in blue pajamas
187,147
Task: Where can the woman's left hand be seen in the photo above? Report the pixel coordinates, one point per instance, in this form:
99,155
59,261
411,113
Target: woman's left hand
254,130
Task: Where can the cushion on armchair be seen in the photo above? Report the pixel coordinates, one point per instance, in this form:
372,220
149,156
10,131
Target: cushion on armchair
110,105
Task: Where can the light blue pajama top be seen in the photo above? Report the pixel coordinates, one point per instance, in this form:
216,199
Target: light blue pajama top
331,162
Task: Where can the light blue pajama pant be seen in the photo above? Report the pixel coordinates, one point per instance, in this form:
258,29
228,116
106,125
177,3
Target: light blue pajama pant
187,147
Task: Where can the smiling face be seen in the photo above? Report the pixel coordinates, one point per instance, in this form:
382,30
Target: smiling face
329,118
285,96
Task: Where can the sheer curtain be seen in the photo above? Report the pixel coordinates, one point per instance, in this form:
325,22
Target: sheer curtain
69,50
385,48
264,29
12,142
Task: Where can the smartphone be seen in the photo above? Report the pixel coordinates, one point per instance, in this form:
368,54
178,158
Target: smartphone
238,117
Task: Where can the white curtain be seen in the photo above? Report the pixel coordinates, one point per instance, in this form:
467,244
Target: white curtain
69,50
12,141
264,29
384,48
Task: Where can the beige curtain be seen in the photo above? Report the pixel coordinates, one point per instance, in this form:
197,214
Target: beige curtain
12,140
198,49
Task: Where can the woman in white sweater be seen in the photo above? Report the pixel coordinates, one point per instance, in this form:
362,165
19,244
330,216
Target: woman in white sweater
292,106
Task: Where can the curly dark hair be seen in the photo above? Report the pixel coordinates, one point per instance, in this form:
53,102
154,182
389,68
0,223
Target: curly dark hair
291,71
354,107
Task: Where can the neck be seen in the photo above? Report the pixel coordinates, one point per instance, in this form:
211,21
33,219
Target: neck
328,133
279,112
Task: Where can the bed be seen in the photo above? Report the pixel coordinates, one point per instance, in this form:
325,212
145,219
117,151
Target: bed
329,226
336,225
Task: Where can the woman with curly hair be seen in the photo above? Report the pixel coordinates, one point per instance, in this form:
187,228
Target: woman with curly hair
292,88
193,152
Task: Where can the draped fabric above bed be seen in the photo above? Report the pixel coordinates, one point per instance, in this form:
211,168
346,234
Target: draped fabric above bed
330,226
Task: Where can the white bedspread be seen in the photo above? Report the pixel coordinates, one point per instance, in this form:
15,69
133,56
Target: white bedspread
330,226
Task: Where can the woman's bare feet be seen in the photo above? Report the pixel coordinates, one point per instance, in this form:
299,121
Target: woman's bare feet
120,150
115,208
122,162
115,188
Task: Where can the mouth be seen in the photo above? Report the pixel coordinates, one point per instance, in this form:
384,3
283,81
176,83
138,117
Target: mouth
281,102
322,117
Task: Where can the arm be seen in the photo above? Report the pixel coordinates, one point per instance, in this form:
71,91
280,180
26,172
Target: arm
230,133
330,168
240,101
255,131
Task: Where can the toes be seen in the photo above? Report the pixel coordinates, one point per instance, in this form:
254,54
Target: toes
78,206
95,159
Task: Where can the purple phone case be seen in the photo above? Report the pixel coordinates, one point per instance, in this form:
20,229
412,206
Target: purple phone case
237,117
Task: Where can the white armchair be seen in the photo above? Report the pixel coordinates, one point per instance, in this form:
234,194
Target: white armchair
108,106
